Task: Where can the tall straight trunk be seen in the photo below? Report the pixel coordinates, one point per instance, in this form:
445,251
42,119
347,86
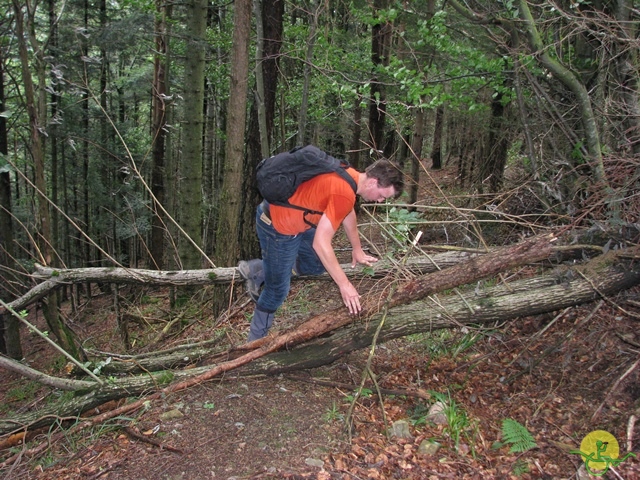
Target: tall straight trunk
35,99
84,152
416,153
354,155
436,149
306,75
171,165
118,249
494,161
158,130
272,26
53,139
10,344
380,45
191,162
524,115
227,238
259,72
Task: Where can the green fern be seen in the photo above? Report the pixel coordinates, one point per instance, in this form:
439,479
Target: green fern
517,435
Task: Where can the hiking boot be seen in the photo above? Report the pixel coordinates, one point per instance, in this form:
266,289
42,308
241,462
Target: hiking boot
260,324
252,272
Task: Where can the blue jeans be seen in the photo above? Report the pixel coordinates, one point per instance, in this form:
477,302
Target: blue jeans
280,255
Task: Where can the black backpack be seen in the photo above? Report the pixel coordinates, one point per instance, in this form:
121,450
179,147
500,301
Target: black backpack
280,176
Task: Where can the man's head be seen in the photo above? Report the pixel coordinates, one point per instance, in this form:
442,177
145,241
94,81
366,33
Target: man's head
381,180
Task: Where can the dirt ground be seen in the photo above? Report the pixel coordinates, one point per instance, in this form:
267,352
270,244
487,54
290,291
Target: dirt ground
558,380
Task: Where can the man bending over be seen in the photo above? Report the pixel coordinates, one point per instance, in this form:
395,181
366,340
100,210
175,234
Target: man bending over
289,244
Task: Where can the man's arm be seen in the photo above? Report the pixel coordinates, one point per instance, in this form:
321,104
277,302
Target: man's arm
324,249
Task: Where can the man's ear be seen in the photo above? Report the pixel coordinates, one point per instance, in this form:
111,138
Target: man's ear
372,182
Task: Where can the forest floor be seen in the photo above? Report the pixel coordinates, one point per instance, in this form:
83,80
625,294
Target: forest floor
559,379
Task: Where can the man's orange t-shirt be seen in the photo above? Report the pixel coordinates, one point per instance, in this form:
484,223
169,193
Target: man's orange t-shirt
328,193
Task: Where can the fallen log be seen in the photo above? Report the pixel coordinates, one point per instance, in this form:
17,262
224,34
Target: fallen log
476,268
567,286
53,278
558,290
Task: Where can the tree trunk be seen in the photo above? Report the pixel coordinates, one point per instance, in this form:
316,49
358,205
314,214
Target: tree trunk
9,286
231,199
436,150
306,76
259,73
272,23
416,153
354,154
522,298
35,99
191,164
572,82
628,81
380,44
54,278
158,130
560,289
493,162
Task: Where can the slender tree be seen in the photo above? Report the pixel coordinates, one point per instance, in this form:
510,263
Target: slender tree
159,133
573,83
191,161
306,75
380,46
272,12
9,287
227,248
36,108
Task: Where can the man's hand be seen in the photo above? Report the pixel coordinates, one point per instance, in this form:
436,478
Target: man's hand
324,249
351,298
358,256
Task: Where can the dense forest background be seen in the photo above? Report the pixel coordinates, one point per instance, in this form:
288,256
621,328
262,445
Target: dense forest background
130,130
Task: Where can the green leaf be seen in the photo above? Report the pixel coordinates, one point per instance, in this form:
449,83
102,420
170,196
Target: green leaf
517,436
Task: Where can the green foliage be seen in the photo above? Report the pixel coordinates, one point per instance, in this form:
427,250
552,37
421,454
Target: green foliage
418,414
398,225
520,467
517,436
458,424
363,393
97,367
447,343
459,71
22,392
333,414
164,377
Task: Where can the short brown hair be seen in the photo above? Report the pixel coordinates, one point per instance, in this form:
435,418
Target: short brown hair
388,174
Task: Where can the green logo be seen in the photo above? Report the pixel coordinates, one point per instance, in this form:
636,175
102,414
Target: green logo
600,450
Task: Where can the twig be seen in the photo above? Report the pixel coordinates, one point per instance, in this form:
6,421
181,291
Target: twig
627,340
137,436
630,426
614,387
369,373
